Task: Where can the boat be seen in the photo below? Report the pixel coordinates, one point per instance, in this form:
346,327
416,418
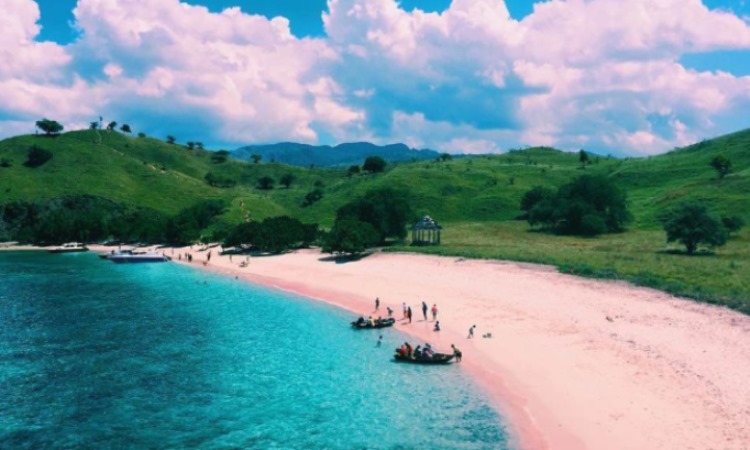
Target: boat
379,323
129,256
437,358
69,247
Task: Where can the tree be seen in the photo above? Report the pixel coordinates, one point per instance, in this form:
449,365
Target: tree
374,164
350,236
220,181
37,157
287,179
587,206
534,197
111,126
219,157
353,170
5,163
445,157
387,210
125,128
50,127
722,165
583,157
191,145
733,224
141,135
265,183
312,197
691,224
171,139
93,125
256,158
199,145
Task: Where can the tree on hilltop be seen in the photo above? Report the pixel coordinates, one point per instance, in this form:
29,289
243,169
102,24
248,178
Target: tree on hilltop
171,139
256,158
125,128
50,127
583,157
111,126
722,165
691,224
94,126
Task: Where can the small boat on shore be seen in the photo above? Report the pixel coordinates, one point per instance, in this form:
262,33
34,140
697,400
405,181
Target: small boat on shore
362,324
129,256
69,247
437,358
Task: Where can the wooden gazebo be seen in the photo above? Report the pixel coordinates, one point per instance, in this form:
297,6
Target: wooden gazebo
425,232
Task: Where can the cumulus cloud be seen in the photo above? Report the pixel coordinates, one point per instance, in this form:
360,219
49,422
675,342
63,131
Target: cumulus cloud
597,74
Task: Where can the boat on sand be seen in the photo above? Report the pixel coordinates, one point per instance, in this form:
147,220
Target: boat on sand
69,247
362,324
437,358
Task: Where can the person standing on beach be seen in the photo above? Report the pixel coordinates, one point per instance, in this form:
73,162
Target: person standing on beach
457,353
390,311
434,312
377,303
404,310
408,313
424,311
471,332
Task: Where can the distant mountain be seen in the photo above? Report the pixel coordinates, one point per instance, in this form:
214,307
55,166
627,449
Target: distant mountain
327,156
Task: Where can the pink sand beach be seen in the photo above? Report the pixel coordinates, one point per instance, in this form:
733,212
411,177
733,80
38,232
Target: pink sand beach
571,363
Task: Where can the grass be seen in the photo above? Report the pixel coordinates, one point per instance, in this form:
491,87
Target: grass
475,198
638,256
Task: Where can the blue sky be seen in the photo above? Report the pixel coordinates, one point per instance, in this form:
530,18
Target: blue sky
612,76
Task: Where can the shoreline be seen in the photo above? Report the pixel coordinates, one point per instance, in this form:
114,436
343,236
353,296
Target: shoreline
573,363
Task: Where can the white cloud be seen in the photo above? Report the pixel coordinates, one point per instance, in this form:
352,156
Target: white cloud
598,74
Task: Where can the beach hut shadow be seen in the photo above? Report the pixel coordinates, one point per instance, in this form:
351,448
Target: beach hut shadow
344,259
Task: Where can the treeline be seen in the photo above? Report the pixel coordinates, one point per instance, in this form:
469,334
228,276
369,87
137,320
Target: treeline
93,219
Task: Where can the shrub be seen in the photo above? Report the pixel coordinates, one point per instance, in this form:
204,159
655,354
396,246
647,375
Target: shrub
218,157
220,181
374,164
265,183
312,197
691,224
350,236
37,157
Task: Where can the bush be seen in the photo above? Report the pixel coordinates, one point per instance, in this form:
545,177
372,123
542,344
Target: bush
265,183
219,157
312,197
37,157
287,179
374,164
220,181
350,236
5,162
588,206
733,224
387,210
692,225
274,235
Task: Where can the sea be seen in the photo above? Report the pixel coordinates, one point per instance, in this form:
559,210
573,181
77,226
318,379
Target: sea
96,355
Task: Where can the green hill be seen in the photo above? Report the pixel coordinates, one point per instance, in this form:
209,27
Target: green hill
475,198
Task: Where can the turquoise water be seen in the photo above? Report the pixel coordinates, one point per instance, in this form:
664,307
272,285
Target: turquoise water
104,356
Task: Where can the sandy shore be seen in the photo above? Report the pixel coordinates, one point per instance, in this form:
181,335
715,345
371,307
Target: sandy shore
572,363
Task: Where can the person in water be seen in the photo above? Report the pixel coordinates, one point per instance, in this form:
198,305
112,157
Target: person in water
457,353
380,341
437,326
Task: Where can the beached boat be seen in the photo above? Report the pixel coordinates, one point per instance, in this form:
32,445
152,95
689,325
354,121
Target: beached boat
381,323
437,358
70,247
129,256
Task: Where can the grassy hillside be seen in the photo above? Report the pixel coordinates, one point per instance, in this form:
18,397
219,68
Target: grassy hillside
474,198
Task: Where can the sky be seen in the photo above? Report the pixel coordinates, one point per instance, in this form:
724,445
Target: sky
636,77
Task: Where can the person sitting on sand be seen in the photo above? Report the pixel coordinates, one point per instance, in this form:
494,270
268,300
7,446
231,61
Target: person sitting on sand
457,353
437,326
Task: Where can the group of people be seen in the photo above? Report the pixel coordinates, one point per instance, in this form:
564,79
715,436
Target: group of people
423,353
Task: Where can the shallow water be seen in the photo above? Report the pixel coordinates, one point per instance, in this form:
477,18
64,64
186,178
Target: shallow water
99,355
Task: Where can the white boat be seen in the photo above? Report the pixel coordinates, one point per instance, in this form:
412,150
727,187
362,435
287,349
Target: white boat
129,256
69,247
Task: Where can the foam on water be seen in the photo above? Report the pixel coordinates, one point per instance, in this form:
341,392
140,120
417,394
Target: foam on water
98,355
